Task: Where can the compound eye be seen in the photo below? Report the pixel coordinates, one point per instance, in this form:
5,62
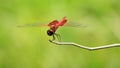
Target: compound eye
50,32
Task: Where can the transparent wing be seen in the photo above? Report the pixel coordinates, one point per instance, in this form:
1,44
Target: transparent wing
74,24
33,25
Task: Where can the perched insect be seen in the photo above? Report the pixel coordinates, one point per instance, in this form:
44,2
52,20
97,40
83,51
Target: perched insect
54,25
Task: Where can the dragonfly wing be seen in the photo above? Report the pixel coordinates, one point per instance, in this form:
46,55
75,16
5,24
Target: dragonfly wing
75,24
33,25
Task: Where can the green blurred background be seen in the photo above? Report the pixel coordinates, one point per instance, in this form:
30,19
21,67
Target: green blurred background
30,48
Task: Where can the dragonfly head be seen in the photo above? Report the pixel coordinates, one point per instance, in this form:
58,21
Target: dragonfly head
50,32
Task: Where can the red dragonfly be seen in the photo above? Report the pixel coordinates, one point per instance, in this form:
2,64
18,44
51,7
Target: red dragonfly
54,25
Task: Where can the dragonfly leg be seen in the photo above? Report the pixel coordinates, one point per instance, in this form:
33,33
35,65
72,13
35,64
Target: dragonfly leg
53,37
58,36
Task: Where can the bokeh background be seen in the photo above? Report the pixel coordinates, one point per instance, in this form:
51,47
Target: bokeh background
30,48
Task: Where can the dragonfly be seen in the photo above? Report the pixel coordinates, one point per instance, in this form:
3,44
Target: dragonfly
53,26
